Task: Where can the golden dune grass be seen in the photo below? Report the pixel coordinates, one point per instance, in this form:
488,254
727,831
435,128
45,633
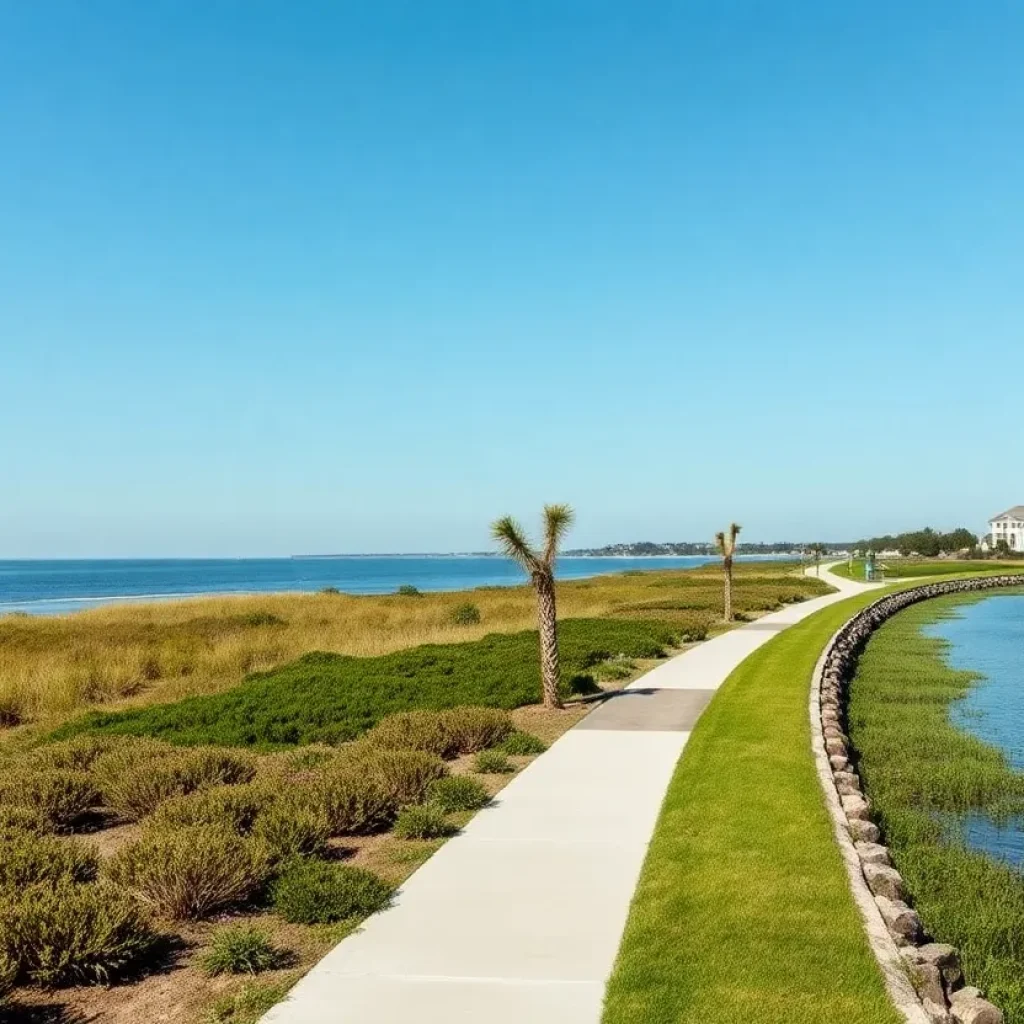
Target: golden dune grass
52,666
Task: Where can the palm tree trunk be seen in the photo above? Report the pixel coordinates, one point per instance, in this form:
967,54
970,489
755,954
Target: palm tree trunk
728,592
547,622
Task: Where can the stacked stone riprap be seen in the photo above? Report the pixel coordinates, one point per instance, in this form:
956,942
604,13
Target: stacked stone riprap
933,967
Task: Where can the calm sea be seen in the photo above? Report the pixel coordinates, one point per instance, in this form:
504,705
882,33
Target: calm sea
988,637
58,587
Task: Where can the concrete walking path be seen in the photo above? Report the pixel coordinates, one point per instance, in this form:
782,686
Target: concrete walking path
519,917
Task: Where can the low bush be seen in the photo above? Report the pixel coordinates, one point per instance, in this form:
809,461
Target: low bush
136,789
245,1006
408,590
256,619
234,806
457,793
29,858
404,775
330,590
423,821
332,697
466,614
68,933
76,754
8,975
493,762
17,818
287,829
317,892
189,872
62,797
446,733
522,744
240,949
349,800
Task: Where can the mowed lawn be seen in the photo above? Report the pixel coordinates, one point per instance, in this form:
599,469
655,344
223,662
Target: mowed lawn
744,912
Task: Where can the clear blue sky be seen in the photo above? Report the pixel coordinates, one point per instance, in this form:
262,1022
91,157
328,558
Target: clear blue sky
282,277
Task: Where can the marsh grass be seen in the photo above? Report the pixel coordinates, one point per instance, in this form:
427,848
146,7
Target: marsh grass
922,773
50,667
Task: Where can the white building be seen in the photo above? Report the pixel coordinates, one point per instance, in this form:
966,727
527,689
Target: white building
1008,526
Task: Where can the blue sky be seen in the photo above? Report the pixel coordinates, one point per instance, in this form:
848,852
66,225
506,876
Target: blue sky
361,277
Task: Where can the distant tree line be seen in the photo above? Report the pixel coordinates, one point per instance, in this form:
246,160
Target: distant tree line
927,542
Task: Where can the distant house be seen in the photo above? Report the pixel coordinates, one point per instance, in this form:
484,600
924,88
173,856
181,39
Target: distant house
1008,526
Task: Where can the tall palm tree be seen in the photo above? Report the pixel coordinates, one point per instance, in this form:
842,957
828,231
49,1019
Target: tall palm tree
540,565
725,542
817,550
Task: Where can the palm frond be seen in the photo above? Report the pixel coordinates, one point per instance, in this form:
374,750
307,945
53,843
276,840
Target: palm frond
511,539
558,520
720,542
725,540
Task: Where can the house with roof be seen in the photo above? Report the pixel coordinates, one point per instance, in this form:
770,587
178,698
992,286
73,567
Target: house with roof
1008,526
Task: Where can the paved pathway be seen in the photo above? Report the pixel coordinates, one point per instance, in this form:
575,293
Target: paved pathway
519,917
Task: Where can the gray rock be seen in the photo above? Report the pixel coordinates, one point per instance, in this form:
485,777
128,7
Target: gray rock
839,764
856,806
836,747
967,992
927,981
873,853
902,922
976,1011
942,956
884,881
864,831
846,783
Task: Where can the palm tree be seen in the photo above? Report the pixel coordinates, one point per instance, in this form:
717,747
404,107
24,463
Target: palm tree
540,565
725,542
817,550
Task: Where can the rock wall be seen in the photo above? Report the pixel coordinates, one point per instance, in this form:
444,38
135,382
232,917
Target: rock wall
897,934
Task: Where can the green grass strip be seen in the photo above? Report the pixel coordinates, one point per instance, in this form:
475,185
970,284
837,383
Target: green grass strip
921,772
744,911
328,698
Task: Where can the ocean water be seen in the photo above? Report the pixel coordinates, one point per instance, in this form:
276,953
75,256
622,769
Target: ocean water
987,637
60,587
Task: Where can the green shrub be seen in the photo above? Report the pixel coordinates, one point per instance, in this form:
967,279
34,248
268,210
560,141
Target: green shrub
317,892
403,775
493,762
332,697
29,858
189,872
16,818
446,733
350,801
330,590
256,619
614,669
423,821
8,975
408,590
246,1006
61,796
466,614
457,793
234,806
287,829
134,790
522,744
76,754
240,949
68,933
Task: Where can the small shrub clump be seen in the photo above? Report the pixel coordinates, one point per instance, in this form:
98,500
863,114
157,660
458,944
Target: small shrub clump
62,797
187,873
17,818
246,1006
288,829
235,806
423,821
349,800
466,614
493,762
240,949
408,590
522,744
318,892
446,733
136,786
256,619
458,793
69,933
404,775
29,858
